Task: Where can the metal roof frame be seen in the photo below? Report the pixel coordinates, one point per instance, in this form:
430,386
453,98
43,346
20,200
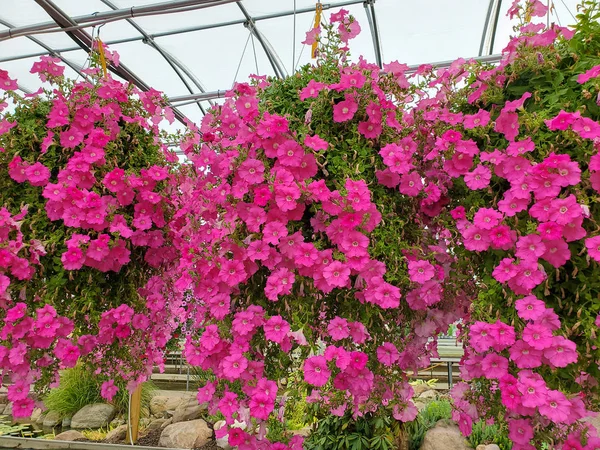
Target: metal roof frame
175,64
372,19
85,41
98,18
204,96
194,29
75,28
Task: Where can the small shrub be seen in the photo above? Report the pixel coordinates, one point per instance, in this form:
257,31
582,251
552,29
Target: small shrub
80,387
427,418
370,432
489,434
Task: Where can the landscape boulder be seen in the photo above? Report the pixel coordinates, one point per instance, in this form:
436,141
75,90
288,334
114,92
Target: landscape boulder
97,415
444,435
188,409
116,435
52,419
70,435
190,434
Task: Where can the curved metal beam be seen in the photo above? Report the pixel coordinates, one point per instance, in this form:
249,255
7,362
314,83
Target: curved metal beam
85,41
167,56
161,34
72,65
276,63
168,7
372,19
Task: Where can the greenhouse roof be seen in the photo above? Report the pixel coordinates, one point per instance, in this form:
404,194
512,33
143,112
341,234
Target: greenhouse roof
194,50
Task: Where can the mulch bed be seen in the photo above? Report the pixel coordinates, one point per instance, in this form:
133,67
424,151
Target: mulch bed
150,439
212,445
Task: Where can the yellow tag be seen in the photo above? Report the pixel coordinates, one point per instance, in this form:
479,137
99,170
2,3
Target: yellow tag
319,10
102,58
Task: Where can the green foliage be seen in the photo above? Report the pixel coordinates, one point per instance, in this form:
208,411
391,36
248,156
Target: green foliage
19,430
573,292
80,295
489,434
427,418
79,387
371,432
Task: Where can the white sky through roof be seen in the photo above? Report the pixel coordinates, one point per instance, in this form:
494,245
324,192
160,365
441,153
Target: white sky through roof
411,31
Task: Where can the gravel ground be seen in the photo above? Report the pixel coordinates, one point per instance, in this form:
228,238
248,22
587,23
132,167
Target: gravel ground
150,439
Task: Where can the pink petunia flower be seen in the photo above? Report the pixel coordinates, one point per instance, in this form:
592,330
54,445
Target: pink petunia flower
537,336
420,271
494,366
276,329
593,247
37,174
316,142
344,110
316,372
478,178
336,274
530,307
108,390
387,354
234,365
338,329
520,431
557,408
561,353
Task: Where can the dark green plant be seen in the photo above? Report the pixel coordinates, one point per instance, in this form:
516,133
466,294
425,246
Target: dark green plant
489,434
80,387
427,418
371,432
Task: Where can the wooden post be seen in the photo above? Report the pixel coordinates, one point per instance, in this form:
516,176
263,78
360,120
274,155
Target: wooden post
134,414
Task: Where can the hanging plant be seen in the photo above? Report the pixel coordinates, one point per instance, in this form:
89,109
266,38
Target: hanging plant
85,197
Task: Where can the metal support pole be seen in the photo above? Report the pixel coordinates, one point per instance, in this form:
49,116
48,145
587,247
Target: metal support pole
450,374
185,99
485,26
84,40
168,7
370,11
269,51
72,65
171,60
192,29
490,49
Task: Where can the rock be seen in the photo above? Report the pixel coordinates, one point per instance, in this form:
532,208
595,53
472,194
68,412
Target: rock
40,420
154,425
302,432
51,419
223,442
592,420
70,435
191,434
188,409
420,405
160,404
445,435
166,423
487,447
117,421
66,422
3,399
420,388
97,415
428,395
7,410
36,414
116,435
